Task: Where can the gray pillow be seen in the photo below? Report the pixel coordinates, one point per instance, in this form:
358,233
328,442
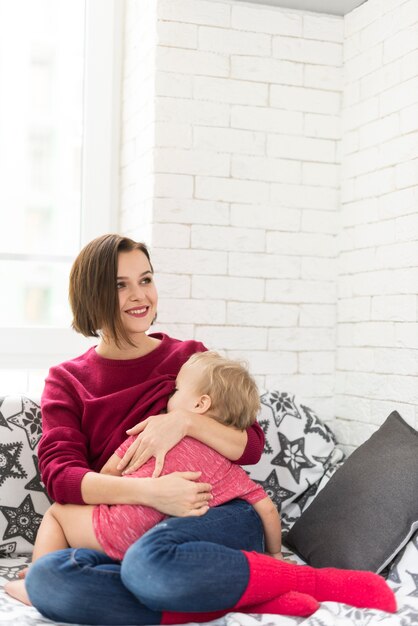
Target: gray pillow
369,508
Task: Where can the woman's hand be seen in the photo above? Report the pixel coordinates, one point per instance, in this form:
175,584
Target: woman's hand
177,494
156,436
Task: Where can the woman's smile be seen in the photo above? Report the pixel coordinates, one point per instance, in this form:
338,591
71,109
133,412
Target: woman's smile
136,292
138,311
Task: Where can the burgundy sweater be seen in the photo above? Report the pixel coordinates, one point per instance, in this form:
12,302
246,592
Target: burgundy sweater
88,403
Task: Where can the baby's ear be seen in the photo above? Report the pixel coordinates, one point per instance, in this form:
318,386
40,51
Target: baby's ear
203,404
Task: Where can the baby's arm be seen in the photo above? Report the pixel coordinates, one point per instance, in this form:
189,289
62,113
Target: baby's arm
271,525
110,467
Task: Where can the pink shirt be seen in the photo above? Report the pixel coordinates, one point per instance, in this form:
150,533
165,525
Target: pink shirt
119,526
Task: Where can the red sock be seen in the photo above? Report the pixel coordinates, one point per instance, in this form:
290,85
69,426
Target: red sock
292,603
269,578
282,588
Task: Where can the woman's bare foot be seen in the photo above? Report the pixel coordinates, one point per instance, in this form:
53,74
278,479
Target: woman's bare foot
17,590
22,573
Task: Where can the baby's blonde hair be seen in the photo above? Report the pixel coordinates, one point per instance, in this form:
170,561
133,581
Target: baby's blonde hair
235,399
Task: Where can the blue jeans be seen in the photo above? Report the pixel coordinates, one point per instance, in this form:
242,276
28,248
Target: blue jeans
182,564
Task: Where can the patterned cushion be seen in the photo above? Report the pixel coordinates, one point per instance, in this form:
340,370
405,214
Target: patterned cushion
299,457
23,499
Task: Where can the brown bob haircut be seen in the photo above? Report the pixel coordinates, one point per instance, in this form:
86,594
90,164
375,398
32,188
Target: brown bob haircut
234,395
93,293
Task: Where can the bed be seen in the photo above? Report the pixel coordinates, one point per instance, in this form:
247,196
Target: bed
301,469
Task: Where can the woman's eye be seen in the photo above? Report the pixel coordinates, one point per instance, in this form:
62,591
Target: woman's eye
120,285
146,281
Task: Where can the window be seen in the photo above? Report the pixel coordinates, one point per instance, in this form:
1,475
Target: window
59,123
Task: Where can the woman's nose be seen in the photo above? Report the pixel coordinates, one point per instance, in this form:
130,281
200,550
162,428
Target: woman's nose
137,293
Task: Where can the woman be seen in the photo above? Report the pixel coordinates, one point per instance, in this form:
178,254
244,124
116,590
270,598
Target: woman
199,561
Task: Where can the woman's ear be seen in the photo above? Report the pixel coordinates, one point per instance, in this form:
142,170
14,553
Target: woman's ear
203,404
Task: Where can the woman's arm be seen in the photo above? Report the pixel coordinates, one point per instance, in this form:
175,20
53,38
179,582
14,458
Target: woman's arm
228,441
160,433
177,494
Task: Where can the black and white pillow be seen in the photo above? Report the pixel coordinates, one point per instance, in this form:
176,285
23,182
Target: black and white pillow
23,499
300,454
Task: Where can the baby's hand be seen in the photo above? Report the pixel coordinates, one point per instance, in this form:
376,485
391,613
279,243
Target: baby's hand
280,557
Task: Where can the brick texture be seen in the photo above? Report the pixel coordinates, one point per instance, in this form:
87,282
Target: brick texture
377,357
269,158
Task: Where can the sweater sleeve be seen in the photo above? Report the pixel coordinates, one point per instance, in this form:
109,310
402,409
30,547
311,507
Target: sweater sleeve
254,447
63,447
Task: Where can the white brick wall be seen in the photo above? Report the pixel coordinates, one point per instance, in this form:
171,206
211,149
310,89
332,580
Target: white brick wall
232,159
377,356
253,102
137,176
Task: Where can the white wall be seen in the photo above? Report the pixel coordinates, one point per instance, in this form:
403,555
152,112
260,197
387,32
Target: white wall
252,244
137,119
377,356
246,197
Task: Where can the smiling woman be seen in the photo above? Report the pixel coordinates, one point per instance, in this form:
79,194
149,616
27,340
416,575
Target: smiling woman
113,295
124,384
137,292
90,402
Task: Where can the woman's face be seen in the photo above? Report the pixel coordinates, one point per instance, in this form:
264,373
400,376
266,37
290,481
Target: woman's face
136,291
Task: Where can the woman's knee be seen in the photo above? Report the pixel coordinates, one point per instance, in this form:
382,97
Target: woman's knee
145,569
80,580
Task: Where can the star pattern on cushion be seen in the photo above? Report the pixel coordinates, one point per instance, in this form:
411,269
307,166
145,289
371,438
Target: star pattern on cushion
414,576
281,405
326,461
292,456
36,484
313,425
265,426
6,549
10,573
22,521
310,491
287,523
394,572
30,420
3,421
9,461
273,489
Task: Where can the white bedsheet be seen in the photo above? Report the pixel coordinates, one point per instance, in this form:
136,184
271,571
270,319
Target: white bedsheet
402,577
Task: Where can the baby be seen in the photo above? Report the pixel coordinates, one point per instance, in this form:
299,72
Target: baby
210,385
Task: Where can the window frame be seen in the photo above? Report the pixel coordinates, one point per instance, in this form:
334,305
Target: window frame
41,347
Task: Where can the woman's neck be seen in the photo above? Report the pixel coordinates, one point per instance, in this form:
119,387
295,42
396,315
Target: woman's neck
144,345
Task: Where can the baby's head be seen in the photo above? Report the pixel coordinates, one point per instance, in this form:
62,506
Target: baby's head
222,388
